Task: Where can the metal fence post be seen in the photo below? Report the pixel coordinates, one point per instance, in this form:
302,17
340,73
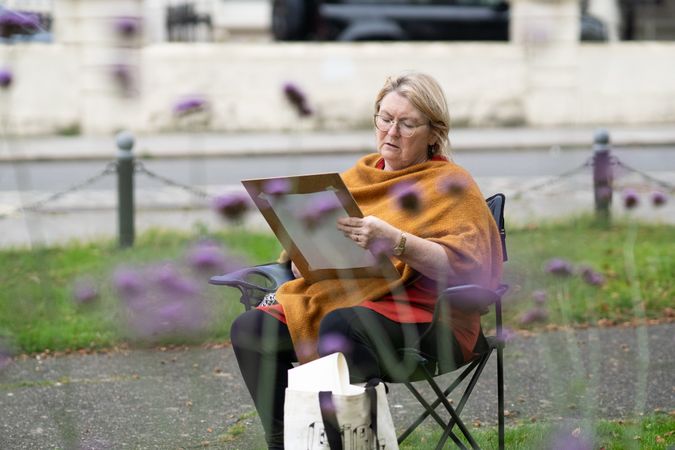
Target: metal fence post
602,174
125,188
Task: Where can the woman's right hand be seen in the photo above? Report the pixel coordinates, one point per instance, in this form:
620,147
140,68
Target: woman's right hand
295,270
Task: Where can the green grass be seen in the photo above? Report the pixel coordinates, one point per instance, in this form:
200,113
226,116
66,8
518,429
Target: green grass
37,311
653,432
626,295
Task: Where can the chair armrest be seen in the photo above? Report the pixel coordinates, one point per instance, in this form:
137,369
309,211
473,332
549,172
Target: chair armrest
468,298
266,277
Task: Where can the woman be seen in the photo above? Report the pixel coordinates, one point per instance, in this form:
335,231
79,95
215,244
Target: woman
432,217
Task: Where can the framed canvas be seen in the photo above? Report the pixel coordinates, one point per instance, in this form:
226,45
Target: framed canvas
302,212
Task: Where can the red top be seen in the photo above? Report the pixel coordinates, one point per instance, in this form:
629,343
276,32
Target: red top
416,305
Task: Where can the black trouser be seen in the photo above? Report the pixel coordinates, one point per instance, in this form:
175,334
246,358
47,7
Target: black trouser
369,341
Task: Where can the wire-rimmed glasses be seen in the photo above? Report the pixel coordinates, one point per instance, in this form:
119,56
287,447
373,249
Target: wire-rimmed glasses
405,128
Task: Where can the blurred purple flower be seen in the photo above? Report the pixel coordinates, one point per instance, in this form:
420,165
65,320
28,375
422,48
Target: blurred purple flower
232,206
658,198
6,78
297,98
631,199
334,342
407,196
559,267
590,276
85,290
570,441
381,248
318,208
539,296
507,334
122,75
536,314
277,186
18,22
190,105
128,283
452,185
128,27
207,257
170,281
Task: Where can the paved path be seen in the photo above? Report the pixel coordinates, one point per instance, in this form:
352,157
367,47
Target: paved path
153,399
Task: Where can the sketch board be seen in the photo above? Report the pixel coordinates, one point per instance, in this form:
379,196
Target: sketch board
304,219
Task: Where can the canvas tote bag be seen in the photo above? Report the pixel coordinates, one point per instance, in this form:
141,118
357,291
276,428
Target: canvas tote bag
324,411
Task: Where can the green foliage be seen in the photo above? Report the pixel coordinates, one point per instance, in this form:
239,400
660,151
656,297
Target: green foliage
653,432
609,250
37,310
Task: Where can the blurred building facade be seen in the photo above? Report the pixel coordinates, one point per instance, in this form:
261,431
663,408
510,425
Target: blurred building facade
113,64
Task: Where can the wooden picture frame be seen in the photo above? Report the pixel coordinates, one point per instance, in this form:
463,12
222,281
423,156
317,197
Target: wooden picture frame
302,212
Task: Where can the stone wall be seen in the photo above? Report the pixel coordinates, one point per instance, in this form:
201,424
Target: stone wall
65,87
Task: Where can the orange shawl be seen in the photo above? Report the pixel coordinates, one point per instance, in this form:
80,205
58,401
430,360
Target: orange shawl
459,221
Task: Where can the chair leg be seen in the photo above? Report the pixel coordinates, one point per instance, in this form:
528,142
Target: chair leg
452,411
434,405
430,410
500,395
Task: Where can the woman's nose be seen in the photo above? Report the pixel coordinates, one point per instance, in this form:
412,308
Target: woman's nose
394,129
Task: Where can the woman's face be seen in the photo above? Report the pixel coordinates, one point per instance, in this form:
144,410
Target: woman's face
399,151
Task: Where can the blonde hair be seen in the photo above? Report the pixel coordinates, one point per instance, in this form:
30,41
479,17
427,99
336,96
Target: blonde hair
425,94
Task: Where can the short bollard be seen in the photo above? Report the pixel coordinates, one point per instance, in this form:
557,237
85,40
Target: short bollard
602,174
125,188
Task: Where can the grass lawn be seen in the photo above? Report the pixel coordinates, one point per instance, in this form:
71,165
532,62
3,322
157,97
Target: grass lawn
654,432
37,310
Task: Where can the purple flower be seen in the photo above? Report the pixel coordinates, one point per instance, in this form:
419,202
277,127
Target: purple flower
570,441
6,78
559,267
592,277
630,198
407,196
334,342
277,186
381,248
168,279
318,208
127,27
658,198
128,282
18,22
122,75
507,335
207,257
232,206
85,290
539,296
536,314
452,185
189,105
297,98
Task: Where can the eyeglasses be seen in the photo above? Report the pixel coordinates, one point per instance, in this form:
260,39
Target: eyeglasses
406,129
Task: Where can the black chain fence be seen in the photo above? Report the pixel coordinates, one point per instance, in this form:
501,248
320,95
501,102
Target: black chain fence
139,167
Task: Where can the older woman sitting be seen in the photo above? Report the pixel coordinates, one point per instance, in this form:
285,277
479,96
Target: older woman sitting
440,233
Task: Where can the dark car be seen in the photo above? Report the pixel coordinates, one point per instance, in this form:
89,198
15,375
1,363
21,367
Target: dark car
413,20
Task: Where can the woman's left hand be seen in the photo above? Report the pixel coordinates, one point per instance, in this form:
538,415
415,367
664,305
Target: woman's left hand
364,231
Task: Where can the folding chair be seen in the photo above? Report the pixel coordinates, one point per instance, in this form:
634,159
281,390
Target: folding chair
256,282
